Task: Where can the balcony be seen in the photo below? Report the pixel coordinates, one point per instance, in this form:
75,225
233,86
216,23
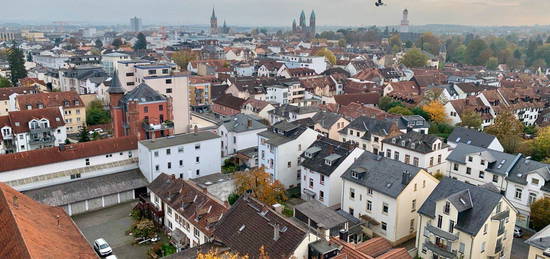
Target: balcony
39,130
439,250
42,140
150,127
441,233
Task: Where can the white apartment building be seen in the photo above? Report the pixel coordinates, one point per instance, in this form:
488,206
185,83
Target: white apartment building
323,163
277,94
186,156
319,64
290,112
189,213
31,129
386,193
109,61
460,220
279,150
421,150
239,132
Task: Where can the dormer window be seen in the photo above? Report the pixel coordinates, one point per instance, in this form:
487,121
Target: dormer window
40,106
76,102
66,103
354,174
29,107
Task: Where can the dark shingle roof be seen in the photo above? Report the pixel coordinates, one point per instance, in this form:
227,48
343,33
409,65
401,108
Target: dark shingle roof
282,132
239,123
180,139
470,220
499,162
324,148
371,126
414,141
142,94
471,137
326,119
381,174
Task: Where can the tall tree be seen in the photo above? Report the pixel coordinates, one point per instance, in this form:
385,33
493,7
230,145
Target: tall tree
117,43
470,119
183,57
16,60
84,135
98,44
429,42
141,42
477,52
327,54
436,111
96,114
260,185
508,129
29,57
414,58
540,146
492,63
540,213
400,110
4,82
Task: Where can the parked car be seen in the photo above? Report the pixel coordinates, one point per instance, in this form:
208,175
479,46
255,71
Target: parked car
102,248
111,257
518,232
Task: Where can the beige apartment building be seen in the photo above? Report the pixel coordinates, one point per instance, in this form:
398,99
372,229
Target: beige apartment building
460,220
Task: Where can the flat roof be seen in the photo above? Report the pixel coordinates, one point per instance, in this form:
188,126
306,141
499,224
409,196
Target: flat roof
180,139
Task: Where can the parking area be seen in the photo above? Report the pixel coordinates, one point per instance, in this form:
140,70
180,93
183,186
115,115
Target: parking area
111,224
520,250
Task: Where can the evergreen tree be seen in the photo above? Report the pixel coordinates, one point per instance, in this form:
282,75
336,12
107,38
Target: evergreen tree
84,136
98,44
16,60
117,43
141,42
29,57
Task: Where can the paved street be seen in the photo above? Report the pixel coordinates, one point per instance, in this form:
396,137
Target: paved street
112,224
520,249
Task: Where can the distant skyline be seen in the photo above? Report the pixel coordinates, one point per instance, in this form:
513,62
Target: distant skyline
280,12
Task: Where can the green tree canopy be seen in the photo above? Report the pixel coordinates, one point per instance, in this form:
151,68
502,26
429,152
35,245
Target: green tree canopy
16,60
183,57
4,82
477,53
386,103
98,44
117,43
429,42
400,110
508,129
141,42
96,114
470,119
540,213
492,63
83,135
327,54
414,58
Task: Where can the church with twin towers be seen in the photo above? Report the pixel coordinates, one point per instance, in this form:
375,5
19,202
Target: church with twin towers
302,28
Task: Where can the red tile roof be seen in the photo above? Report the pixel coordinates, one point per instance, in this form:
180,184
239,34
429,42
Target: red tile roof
7,91
34,230
375,248
361,98
19,120
50,155
55,99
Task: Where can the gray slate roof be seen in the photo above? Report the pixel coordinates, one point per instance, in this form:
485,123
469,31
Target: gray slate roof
541,239
89,188
472,217
370,125
471,137
285,110
176,140
321,214
326,148
282,132
326,119
142,94
499,162
414,141
381,174
239,123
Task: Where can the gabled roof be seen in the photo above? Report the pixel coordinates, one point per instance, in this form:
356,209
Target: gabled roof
413,140
200,208
541,239
499,162
283,132
250,224
361,98
472,217
7,91
230,101
68,99
19,120
325,149
143,93
326,119
381,174
241,123
471,137
371,126
34,230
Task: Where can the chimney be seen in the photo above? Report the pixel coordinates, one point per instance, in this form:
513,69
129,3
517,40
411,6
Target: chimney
276,234
195,130
15,201
249,123
405,179
343,235
61,146
57,217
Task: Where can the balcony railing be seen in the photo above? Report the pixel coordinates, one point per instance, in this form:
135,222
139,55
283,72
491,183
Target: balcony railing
38,130
444,252
46,140
158,127
441,233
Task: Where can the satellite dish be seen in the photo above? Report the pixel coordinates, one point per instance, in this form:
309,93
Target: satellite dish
379,3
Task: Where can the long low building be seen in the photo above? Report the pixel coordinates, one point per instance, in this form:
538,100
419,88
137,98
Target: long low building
93,193
45,167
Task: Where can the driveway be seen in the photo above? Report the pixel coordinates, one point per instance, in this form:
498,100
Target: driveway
520,249
111,224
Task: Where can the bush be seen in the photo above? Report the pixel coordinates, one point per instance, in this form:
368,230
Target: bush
438,176
232,198
144,228
229,166
287,211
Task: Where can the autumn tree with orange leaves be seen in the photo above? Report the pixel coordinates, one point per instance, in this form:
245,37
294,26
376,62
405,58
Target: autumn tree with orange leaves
260,186
436,111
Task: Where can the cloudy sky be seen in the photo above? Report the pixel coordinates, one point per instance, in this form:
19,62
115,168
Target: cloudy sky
280,12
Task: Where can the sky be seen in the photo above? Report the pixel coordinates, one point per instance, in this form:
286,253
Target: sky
280,12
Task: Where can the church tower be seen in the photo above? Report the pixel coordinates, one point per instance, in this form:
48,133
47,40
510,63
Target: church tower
213,23
294,29
303,25
405,22
312,29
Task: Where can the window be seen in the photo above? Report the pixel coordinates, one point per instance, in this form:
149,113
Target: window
87,161
75,176
289,164
413,206
482,162
322,180
411,225
455,167
470,159
352,193
169,166
168,90
518,193
168,151
384,226
157,168
181,162
169,210
495,178
451,226
376,139
385,208
439,221
369,205
431,161
535,181
369,191
321,196
447,207
351,211
161,107
169,81
532,197
180,149
156,153
396,155
145,109
165,71
198,172
468,170
310,182
234,139
388,153
481,174
407,159
129,74
196,232
197,159
415,161
483,247
439,159
414,189
461,247
197,146
485,229
152,72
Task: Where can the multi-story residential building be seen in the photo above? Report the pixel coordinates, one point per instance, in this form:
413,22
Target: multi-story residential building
421,150
279,150
539,244
126,72
31,129
200,94
227,105
6,92
74,78
329,124
250,226
257,108
109,61
386,193
188,213
368,133
319,64
323,162
413,123
70,103
457,109
460,220
49,60
278,94
141,112
525,103
186,156
474,138
527,182
239,132
289,112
